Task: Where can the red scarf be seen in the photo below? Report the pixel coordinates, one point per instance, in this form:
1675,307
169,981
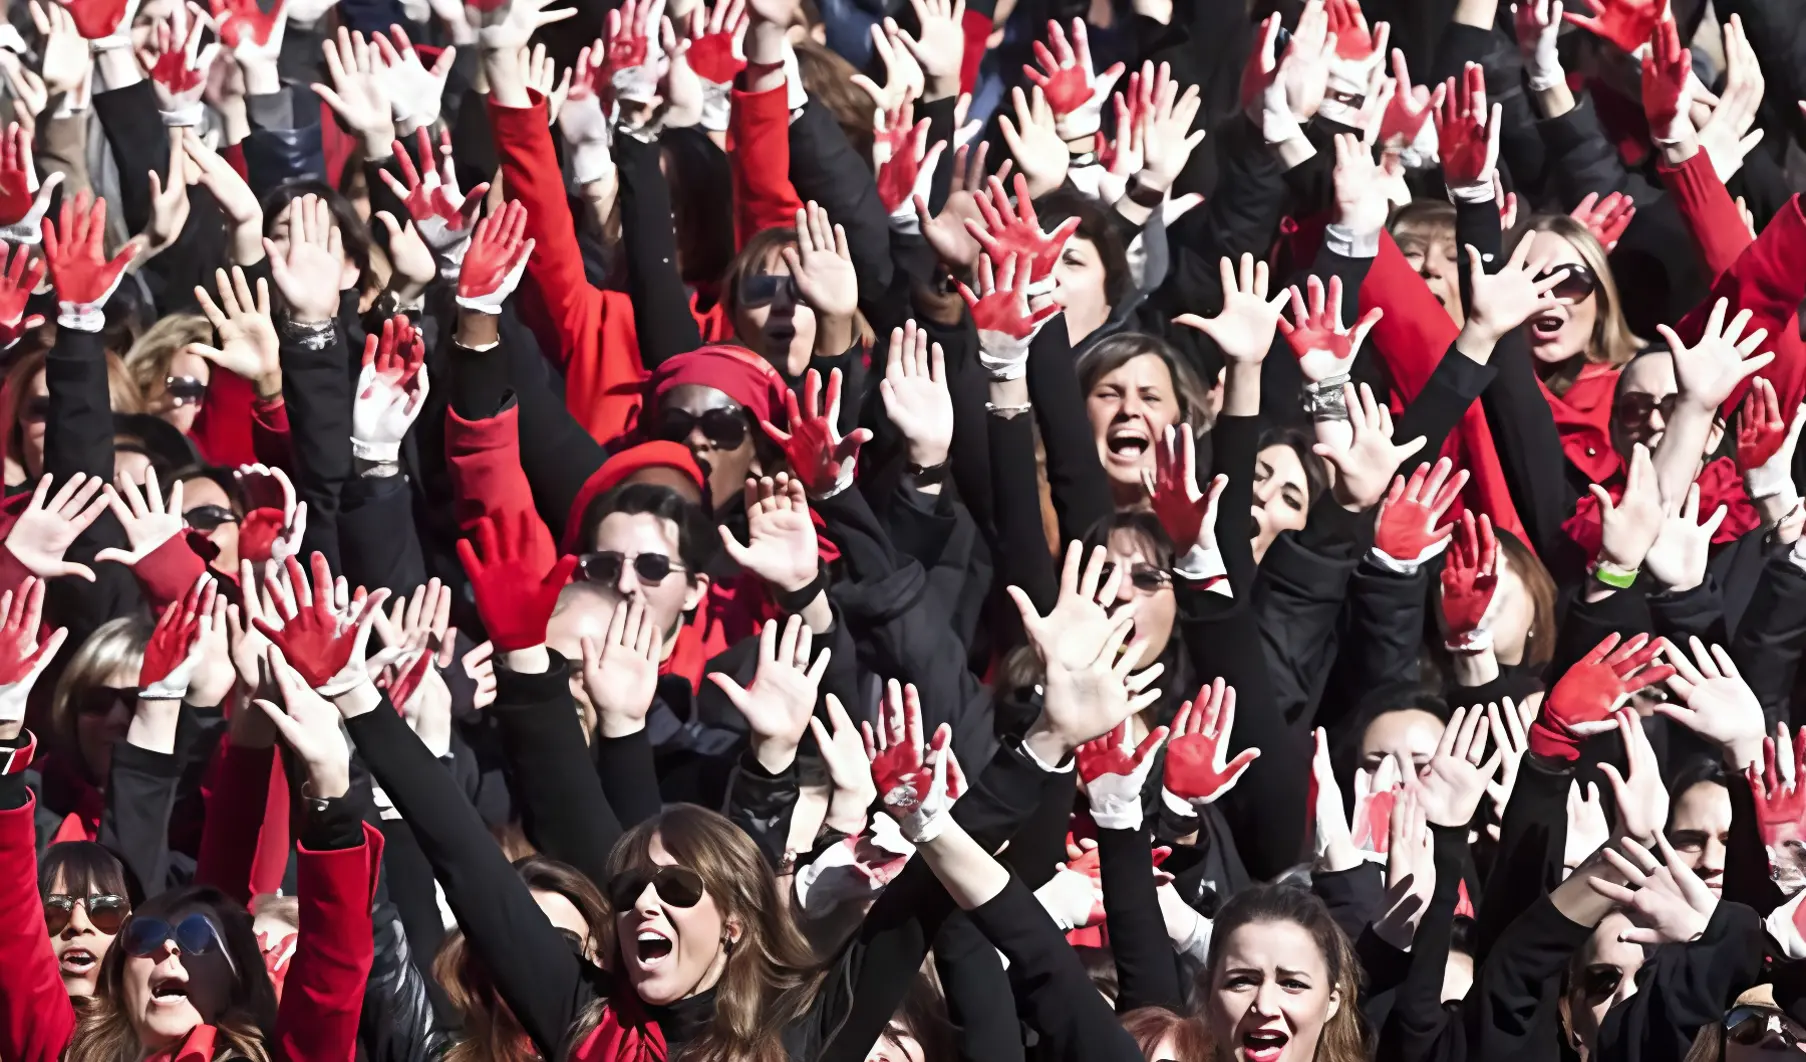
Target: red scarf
1719,484
625,1034
1584,416
197,1046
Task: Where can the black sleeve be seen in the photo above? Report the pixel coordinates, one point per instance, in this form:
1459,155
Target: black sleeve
1075,478
1528,445
1146,970
129,116
556,452
1747,879
1770,634
1234,444
980,1003
378,539
629,778
141,794
1529,863
761,803
542,980
316,385
565,812
397,1024
825,169
1020,546
661,306
1512,1003
1298,595
1683,987
1696,613
1418,1020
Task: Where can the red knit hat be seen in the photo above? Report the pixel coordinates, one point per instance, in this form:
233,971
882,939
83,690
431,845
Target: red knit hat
736,372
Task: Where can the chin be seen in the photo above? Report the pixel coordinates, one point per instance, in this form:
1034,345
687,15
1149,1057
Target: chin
1558,348
165,1023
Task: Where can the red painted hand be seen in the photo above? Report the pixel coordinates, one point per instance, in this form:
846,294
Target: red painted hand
823,459
1470,579
82,276
1197,768
1582,702
1410,524
516,573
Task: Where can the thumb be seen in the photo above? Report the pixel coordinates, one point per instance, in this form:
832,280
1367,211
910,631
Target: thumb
740,554
735,692
80,571
111,554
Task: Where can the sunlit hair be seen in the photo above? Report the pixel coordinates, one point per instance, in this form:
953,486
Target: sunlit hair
1111,354
1316,471
1539,644
770,977
149,359
491,1033
114,644
829,79
1423,221
1612,342
1152,1026
122,393
1342,1038
761,254
104,1031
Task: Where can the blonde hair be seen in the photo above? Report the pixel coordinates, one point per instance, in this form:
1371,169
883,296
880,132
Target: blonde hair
114,644
148,361
123,395
1612,342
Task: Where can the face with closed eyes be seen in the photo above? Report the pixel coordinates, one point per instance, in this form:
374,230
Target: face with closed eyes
672,952
1271,993
1081,287
1411,734
1130,407
1282,495
169,992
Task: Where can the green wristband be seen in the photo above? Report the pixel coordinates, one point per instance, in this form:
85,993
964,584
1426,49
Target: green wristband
1612,575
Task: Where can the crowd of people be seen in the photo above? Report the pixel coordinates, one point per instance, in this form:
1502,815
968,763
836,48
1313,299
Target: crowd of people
712,531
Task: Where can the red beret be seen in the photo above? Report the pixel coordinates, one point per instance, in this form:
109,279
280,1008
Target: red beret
736,372
622,464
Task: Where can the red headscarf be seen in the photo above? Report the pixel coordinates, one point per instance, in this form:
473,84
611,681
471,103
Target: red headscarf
734,371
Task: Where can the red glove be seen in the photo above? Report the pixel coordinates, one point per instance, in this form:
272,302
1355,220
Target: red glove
1407,532
1074,93
1626,23
175,646
21,276
1470,578
1408,110
494,261
1761,430
1008,231
1780,805
823,459
1466,136
1606,218
1325,348
23,202
516,574
244,20
1582,702
84,279
1196,770
98,19
1666,70
323,629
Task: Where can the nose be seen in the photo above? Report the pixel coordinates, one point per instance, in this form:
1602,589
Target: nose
1125,590
1267,999
78,921
647,901
1656,421
697,441
1711,864
628,582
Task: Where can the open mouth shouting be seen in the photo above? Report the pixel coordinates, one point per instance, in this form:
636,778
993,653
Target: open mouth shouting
651,948
77,961
1128,443
1264,1045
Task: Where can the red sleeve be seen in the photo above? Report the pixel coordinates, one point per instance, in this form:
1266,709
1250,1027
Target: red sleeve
222,428
13,573
270,441
1709,211
169,572
235,812
588,331
977,27
483,459
36,1020
234,154
1767,279
324,993
271,861
759,127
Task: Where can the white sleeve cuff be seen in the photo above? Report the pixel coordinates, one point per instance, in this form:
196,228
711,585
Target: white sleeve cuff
1342,240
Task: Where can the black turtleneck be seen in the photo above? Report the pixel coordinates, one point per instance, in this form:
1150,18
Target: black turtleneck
684,1020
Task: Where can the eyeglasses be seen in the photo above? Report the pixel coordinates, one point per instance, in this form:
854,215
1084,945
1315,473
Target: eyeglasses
604,566
677,886
1143,577
205,518
36,408
762,289
725,428
1750,1026
193,935
1577,284
1632,408
184,390
1600,980
105,910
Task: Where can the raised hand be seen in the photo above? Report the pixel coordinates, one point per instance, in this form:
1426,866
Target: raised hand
1002,314
391,388
1760,429
1112,773
48,526
509,24
582,119
1332,842
310,726
1452,785
1666,901
1677,558
903,76
1606,218
946,232
1305,67
620,673
1625,23
823,459
1538,25
1163,125
1365,463
1467,135
98,20
1629,526
1710,370
1715,702
1361,204
516,574
1035,147
321,630
1263,89
1376,794
1409,109
445,216
1074,896
1410,870
781,700
1008,231
67,64
1587,828
23,201
1641,794
495,260
1355,65
916,396
148,521
414,89
1064,75
22,656
1583,700
1409,529
236,200
850,772
1324,346
178,65
247,333
822,266
1726,136
718,54
1244,330
1667,83
308,274
1780,789
176,645
84,278
1198,769
1186,511
633,51
781,547
358,94
274,521
1470,580
904,159
1507,726
1522,288
916,788
244,27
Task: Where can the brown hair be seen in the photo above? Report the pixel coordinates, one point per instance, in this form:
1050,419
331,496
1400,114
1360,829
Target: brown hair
1342,1039
147,363
114,644
770,978
104,1030
1612,342
122,394
761,250
829,79
1111,354
1150,1026
1539,644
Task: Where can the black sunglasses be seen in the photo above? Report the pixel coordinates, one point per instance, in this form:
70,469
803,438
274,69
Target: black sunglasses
1750,1026
207,517
725,428
99,700
194,935
1143,577
184,390
1577,283
106,911
1632,408
604,566
1600,980
761,289
677,886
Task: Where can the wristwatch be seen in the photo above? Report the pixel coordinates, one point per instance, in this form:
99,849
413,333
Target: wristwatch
928,475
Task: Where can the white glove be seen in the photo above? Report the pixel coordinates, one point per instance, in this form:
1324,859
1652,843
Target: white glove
382,413
1072,899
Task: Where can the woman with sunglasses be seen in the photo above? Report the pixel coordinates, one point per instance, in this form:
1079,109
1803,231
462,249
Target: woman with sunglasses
86,899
